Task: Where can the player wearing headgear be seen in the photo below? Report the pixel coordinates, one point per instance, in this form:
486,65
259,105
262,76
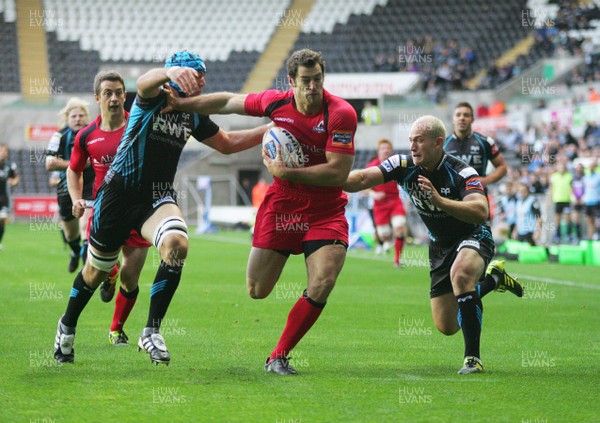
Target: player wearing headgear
449,197
8,179
74,116
303,210
138,193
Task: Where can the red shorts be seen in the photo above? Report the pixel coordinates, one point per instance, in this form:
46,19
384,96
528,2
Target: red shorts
383,214
135,240
288,217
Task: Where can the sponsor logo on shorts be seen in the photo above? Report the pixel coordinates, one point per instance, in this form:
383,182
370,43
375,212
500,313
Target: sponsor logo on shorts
342,139
469,243
167,199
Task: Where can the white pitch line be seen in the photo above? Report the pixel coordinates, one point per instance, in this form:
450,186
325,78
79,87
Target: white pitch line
219,238
558,281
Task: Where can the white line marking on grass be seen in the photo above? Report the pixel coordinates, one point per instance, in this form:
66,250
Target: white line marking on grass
558,281
217,238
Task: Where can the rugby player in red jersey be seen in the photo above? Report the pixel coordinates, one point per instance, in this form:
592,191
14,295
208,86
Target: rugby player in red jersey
388,209
99,142
303,210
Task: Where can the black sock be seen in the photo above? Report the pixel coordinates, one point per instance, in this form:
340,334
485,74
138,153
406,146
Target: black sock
486,285
75,245
162,291
1,231
80,295
131,294
470,317
84,250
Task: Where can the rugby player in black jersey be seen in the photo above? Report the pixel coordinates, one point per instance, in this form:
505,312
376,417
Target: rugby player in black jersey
449,197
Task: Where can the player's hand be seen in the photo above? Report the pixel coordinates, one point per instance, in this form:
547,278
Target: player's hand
427,187
276,166
78,208
186,78
172,99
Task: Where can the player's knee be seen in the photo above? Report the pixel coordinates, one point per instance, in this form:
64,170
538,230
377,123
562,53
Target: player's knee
174,249
447,328
254,290
171,239
129,278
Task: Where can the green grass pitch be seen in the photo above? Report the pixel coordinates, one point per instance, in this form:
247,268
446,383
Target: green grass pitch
373,356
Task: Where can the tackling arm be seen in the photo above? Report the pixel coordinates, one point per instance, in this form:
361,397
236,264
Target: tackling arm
333,173
359,180
235,141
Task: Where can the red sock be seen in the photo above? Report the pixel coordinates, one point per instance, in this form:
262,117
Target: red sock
123,306
301,318
398,246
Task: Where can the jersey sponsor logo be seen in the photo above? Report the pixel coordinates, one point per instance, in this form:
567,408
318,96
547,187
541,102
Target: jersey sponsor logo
342,139
470,159
283,119
95,140
168,125
474,183
468,243
320,128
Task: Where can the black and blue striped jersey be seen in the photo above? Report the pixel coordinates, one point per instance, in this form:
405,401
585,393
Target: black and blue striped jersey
452,178
149,151
61,146
476,150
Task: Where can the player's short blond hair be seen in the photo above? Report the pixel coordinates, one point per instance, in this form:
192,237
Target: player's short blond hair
431,125
73,103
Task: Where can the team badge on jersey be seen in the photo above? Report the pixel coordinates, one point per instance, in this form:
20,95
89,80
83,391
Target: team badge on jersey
342,139
320,128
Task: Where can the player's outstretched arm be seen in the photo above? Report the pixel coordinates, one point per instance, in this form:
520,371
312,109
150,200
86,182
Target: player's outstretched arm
359,180
333,173
148,85
236,141
222,103
75,187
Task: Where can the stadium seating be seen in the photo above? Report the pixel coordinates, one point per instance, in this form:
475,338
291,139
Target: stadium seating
9,77
352,42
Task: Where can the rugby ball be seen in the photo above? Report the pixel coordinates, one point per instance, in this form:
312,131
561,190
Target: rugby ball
281,139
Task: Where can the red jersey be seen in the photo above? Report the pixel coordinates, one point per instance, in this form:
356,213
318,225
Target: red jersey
330,130
392,194
100,146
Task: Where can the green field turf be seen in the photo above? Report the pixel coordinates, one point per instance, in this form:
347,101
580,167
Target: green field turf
374,355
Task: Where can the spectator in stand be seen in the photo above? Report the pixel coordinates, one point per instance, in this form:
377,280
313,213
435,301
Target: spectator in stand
593,95
370,114
560,184
577,190
508,204
497,108
591,198
528,215
258,192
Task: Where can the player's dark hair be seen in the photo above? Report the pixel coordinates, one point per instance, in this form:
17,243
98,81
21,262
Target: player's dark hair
110,75
305,57
467,105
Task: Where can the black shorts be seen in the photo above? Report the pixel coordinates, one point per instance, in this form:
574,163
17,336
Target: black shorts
591,210
65,208
559,208
117,211
441,258
528,237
